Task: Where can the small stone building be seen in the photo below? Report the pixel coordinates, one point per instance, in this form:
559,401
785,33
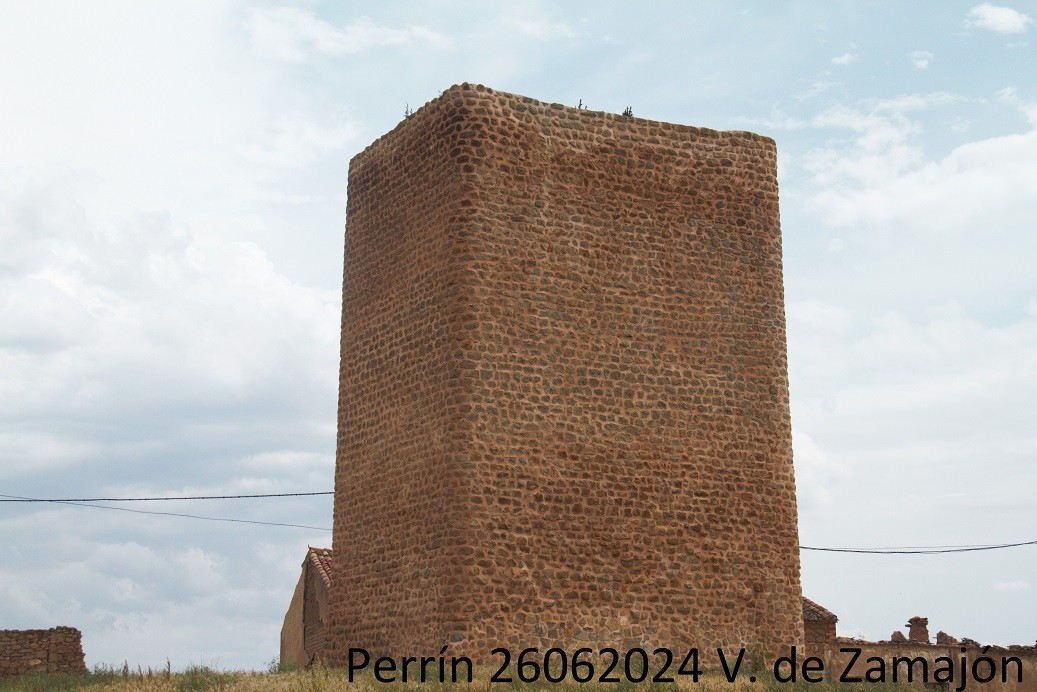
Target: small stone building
818,627
303,631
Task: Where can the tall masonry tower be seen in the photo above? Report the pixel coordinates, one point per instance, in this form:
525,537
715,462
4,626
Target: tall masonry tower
563,411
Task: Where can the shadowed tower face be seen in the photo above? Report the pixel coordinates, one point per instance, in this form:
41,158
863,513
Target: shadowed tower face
563,412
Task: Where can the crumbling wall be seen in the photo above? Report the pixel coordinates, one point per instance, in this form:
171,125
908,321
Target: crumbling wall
563,412
900,655
57,650
914,659
918,629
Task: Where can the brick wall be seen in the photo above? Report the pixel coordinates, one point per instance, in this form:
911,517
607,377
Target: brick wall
314,625
563,412
57,650
817,635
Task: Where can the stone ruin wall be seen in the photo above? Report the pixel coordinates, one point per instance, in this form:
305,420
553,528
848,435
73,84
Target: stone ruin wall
823,643
57,650
563,413
837,661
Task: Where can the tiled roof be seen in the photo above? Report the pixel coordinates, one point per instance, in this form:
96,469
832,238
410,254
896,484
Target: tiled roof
812,611
320,558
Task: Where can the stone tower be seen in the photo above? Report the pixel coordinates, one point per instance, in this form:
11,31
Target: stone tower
563,412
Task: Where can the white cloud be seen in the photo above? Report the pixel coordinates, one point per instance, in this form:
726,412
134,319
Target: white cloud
296,141
975,179
893,395
913,102
884,176
152,596
33,451
1003,20
817,475
777,120
1012,586
844,59
816,89
151,336
920,58
881,149
289,33
221,304
144,329
819,314
542,29
1010,95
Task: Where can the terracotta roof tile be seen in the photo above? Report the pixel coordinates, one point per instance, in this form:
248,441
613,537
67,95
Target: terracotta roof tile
320,558
812,611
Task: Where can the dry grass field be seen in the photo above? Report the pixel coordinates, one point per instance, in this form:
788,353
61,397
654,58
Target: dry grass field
319,679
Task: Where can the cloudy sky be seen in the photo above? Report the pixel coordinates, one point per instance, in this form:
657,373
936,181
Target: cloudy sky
172,194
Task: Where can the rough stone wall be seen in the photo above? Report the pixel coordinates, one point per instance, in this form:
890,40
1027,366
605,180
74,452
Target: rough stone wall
563,412
57,650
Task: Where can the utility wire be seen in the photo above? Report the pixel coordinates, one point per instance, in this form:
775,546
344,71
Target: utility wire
918,551
15,498
930,547
178,514
82,502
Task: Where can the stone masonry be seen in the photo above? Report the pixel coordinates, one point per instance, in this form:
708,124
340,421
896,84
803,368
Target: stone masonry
563,411
914,659
57,650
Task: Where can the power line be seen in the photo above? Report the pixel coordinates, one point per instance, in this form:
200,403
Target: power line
178,514
82,502
918,551
929,547
15,498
